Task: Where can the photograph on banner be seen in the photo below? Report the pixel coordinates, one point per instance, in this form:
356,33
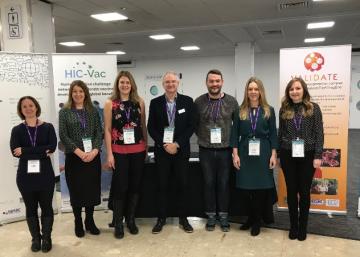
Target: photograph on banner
98,72
20,75
326,71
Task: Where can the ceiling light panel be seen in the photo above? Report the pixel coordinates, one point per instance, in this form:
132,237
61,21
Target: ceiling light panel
314,40
320,25
162,37
190,48
71,44
113,16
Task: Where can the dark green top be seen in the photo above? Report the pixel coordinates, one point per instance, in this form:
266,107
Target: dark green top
254,171
71,131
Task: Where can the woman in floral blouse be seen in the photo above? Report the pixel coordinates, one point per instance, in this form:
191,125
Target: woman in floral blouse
126,143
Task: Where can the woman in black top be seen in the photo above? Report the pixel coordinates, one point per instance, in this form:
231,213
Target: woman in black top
301,139
81,134
32,142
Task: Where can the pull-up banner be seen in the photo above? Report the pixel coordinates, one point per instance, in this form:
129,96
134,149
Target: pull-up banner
326,70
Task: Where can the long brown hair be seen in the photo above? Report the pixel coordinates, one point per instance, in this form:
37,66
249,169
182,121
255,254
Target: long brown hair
287,109
87,100
245,105
133,97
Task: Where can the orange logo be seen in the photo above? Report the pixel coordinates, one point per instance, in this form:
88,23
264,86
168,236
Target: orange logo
314,61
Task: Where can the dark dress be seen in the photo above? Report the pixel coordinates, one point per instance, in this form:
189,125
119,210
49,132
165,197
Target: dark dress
45,140
254,173
83,178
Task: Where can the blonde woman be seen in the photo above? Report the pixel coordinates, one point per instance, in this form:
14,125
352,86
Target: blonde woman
254,143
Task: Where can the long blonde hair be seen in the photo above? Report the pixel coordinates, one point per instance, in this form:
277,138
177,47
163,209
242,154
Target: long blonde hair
245,105
287,109
133,97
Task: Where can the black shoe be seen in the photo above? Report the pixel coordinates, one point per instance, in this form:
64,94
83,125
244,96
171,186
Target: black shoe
131,225
185,225
36,244
79,229
245,226
91,227
112,224
293,234
302,234
255,230
46,245
119,231
224,224
159,225
210,224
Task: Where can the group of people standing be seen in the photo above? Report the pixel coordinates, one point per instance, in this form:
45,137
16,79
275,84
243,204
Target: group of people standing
229,135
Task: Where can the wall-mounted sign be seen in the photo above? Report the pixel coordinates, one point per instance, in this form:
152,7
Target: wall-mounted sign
14,21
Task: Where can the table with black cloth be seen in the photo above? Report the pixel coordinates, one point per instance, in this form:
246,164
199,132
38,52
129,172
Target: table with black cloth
148,203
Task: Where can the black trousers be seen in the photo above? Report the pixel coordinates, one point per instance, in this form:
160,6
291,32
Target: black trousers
127,175
33,199
216,166
298,174
171,167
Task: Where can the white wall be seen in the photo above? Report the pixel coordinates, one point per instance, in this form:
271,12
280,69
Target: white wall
266,68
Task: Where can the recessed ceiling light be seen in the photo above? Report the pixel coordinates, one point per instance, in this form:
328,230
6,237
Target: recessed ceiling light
314,40
72,43
190,48
162,36
112,16
116,52
320,25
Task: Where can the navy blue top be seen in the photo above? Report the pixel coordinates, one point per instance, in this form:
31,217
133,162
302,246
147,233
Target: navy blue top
45,140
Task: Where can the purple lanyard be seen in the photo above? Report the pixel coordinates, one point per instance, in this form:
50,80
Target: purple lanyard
215,108
127,113
171,113
32,139
254,119
81,118
297,122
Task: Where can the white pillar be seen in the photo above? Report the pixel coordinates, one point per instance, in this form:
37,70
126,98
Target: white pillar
27,26
244,67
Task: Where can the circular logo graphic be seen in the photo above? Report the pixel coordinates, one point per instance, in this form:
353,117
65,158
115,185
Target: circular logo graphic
154,90
314,61
358,106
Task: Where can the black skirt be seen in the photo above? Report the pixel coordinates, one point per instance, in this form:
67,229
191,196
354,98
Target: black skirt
83,180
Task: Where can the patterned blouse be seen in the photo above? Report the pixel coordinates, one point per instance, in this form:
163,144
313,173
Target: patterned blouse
125,114
311,130
74,125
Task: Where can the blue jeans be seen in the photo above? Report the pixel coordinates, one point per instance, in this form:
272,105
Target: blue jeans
216,166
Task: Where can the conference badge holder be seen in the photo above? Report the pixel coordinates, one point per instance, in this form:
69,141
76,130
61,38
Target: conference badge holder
254,147
87,144
33,166
215,136
168,135
298,148
129,136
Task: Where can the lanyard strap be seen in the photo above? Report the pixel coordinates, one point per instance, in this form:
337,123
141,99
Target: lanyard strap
81,115
171,113
127,113
215,106
32,139
254,119
297,122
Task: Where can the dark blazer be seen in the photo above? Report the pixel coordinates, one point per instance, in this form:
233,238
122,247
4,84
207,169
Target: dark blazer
184,122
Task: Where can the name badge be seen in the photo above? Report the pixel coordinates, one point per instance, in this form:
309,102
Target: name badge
254,147
33,166
215,136
168,135
129,136
181,111
87,144
298,148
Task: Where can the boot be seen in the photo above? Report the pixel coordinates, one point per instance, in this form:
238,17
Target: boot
46,228
79,229
130,219
89,221
118,206
211,221
303,220
294,223
224,222
34,228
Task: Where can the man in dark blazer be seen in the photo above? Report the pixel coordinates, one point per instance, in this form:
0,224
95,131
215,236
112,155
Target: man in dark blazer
171,124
